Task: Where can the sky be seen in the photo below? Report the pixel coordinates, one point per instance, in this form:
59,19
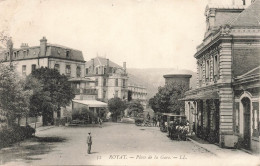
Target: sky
142,33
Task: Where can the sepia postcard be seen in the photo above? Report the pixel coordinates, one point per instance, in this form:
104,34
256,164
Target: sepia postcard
130,82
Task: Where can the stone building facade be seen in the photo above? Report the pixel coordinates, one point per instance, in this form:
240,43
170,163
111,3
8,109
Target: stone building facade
138,92
67,61
225,105
111,79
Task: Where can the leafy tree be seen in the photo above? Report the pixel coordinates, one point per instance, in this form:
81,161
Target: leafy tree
116,106
14,98
83,114
129,95
167,98
135,107
57,92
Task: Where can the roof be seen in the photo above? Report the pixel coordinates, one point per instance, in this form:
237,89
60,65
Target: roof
81,79
201,96
249,17
172,114
177,76
91,103
52,51
100,61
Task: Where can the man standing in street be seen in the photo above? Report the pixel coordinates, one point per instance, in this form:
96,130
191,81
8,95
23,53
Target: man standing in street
89,142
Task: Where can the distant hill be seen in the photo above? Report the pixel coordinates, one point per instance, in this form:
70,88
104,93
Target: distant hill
152,78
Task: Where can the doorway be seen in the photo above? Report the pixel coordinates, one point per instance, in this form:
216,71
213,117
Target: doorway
247,129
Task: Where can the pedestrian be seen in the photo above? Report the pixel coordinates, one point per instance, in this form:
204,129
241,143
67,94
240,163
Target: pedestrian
100,122
89,142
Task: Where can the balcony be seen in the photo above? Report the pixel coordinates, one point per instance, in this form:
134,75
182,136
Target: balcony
89,91
85,91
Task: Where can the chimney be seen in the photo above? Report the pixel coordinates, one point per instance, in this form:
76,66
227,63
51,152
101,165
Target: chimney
107,65
24,45
43,46
107,62
93,65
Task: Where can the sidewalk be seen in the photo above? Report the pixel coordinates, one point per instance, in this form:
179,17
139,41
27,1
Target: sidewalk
42,128
216,150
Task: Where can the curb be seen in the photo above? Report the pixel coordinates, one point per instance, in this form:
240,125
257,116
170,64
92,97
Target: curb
37,130
200,145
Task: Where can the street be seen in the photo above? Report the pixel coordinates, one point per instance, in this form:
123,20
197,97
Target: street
113,144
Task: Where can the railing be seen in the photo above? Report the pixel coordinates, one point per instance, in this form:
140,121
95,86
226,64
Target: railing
85,91
90,91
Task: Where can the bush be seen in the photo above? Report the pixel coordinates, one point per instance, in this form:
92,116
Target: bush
15,134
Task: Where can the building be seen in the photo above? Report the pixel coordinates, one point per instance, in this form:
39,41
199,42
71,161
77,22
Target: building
67,61
111,79
225,105
138,92
178,78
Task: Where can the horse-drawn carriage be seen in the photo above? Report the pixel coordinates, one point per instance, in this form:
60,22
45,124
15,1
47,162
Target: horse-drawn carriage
176,126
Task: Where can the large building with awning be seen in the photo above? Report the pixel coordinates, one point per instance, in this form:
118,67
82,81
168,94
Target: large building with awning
97,107
224,108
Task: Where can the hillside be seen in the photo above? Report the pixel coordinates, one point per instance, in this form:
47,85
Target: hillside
152,78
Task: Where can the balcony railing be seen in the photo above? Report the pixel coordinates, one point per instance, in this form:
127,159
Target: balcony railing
85,91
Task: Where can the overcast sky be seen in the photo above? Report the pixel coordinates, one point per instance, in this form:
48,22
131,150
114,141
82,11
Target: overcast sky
144,33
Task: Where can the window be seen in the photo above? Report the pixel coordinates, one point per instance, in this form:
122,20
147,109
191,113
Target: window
200,72
96,83
105,70
96,70
33,67
215,65
237,117
105,82
104,94
123,83
15,54
116,82
24,70
68,69
207,69
78,71
57,67
116,93
86,71
67,54
24,52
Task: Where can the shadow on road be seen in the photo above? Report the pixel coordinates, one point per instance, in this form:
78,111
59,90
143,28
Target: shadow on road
28,150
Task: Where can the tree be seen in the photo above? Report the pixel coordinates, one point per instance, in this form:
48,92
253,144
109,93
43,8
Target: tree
14,98
129,95
135,107
57,92
167,98
116,106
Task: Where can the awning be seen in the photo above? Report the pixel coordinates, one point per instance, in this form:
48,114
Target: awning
201,96
91,103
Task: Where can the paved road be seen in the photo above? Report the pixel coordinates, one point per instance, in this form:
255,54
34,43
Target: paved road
113,144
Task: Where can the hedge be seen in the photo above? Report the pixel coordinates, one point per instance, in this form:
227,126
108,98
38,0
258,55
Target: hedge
15,134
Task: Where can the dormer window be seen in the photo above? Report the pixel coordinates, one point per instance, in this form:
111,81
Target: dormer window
67,54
